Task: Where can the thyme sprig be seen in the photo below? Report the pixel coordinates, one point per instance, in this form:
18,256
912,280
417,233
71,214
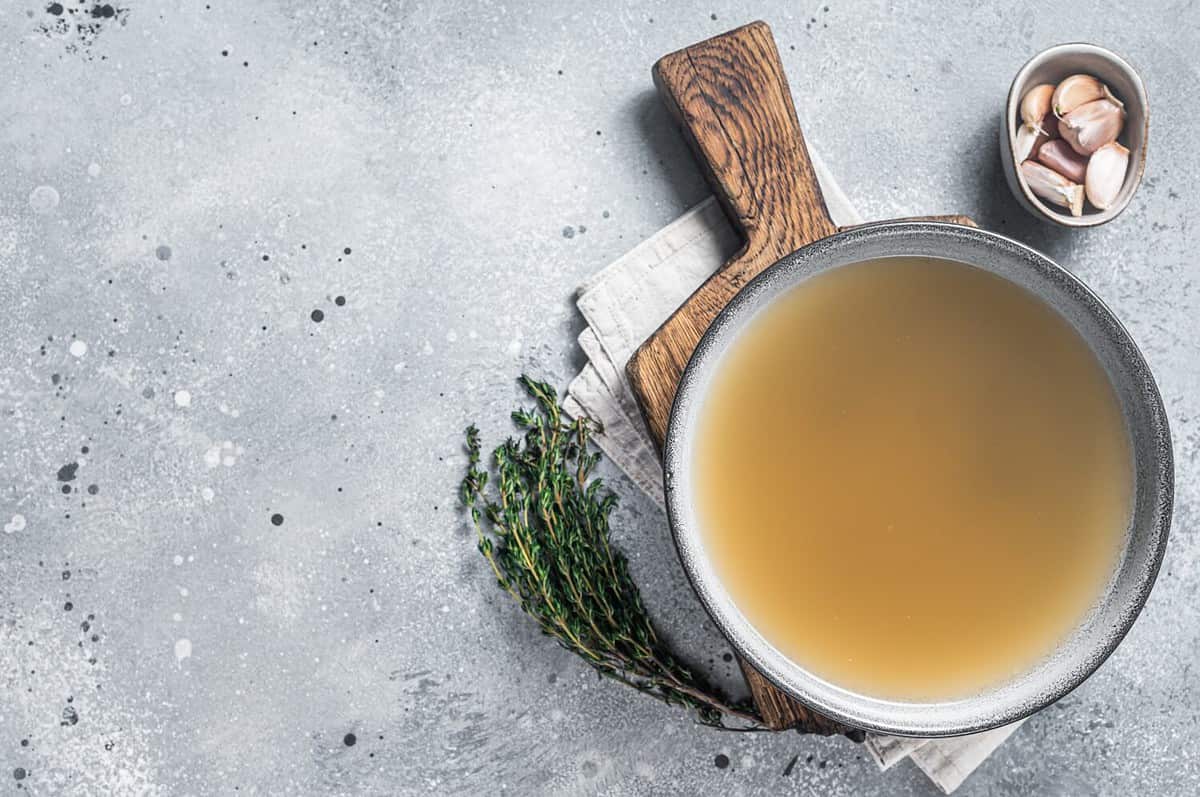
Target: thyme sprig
544,529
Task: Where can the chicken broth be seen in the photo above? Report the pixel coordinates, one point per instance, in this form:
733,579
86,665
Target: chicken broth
912,476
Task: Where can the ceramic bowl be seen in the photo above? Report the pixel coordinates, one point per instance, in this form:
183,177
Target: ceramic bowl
1051,66
1097,634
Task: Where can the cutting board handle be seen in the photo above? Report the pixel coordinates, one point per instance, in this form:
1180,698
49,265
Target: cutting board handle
731,97
733,102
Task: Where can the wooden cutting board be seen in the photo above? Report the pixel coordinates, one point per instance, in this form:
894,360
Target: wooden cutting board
732,99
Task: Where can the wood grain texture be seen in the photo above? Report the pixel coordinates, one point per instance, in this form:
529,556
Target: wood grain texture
731,97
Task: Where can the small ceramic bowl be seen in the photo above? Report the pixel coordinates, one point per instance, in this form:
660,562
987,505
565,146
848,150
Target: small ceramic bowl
1051,66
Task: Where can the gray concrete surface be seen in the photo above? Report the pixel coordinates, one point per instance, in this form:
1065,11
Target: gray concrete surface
183,185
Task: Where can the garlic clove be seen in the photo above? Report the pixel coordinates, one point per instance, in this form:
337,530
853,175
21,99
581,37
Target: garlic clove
1106,174
1089,127
1052,186
1059,156
1036,104
1028,140
1078,90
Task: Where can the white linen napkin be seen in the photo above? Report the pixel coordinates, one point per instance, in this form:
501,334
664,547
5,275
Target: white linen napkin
623,305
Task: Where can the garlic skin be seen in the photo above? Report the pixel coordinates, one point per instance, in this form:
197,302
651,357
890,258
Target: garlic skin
1059,156
1079,90
1089,127
1036,104
1106,174
1052,186
1029,139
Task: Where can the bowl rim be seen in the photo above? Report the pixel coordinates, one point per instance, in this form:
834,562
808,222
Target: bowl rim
909,718
1009,128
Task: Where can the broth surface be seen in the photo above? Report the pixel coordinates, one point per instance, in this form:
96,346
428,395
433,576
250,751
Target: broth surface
912,476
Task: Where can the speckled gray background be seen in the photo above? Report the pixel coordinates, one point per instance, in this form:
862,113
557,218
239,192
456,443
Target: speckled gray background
183,184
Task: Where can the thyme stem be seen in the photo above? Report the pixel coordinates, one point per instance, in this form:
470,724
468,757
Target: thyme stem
544,529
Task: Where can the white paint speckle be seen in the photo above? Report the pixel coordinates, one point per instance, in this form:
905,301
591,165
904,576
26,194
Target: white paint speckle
207,494
178,560
16,524
126,99
183,649
226,454
177,617
183,398
94,170
212,457
398,367
183,591
43,199
451,336
78,348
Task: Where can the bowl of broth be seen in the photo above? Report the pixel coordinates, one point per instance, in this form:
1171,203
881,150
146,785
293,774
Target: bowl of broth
921,477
